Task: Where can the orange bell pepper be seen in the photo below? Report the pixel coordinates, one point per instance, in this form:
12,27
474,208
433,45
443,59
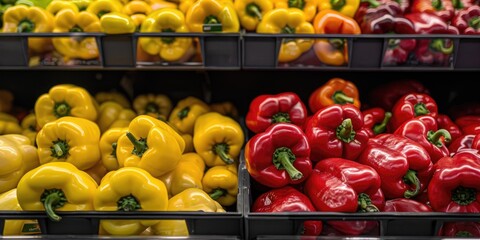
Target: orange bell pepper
334,91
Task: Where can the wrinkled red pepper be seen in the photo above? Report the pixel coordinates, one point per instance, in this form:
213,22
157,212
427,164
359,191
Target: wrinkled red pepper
266,110
341,185
468,20
471,129
405,205
445,122
336,131
279,156
460,229
403,165
459,5
410,106
370,8
441,8
288,199
424,130
376,120
387,94
454,186
461,143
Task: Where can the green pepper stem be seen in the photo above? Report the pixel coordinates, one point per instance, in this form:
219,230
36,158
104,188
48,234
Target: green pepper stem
288,30
221,150
365,204
101,13
337,43
167,40
411,177
420,109
61,109
337,4
463,234
53,199
435,137
283,158
217,193
139,146
372,3
438,45
59,149
381,127
464,196
345,131
183,113
211,20
300,4
437,4
128,203
151,108
281,117
457,4
254,10
474,22
340,97
76,29
114,150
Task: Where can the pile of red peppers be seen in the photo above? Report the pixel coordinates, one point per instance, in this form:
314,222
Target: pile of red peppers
332,155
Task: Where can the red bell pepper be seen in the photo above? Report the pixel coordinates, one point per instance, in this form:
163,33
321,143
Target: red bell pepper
341,185
279,156
405,205
471,129
467,120
461,143
424,130
376,120
445,122
368,8
464,109
459,5
387,94
454,186
266,110
468,20
410,106
476,142
441,8
403,165
336,131
460,229
288,199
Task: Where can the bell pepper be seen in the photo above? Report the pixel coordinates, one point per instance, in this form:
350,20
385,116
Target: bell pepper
18,156
336,131
218,139
108,147
309,7
186,112
97,172
334,91
57,5
403,164
430,23
459,5
460,229
346,7
288,199
29,125
117,23
65,100
454,185
26,19
461,143
109,112
8,117
152,103
288,21
184,5
9,202
374,8
376,120
69,139
56,186
190,199
117,97
279,156
159,4
410,106
204,13
138,11
333,51
3,7
9,127
441,8
445,122
265,110
6,100
81,4
424,130
188,143
68,20
129,189
341,185
188,174
385,95
251,12
221,182
102,7
405,205
226,108
150,144
468,20
466,120
471,129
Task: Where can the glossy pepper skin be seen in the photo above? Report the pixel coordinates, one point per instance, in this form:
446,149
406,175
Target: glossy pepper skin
251,12
461,143
65,100
410,106
188,174
29,125
460,229
226,108
102,7
9,202
279,156
108,147
111,112
385,95
265,110
18,156
186,112
347,7
442,8
157,104
288,199
341,185
212,12
117,23
374,7
218,139
468,20
309,7
334,91
129,189
454,185
376,120
113,96
10,127
170,49
69,190
405,205
221,182
444,121
336,131
56,6
150,144
138,12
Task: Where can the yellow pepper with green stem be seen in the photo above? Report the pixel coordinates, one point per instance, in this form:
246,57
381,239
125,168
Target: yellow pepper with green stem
186,112
108,147
346,7
29,125
117,23
187,174
309,7
156,104
57,5
117,97
221,182
9,202
111,112
250,12
204,12
218,139
102,7
138,11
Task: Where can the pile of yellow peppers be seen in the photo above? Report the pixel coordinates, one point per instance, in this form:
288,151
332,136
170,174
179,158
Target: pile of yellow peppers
103,152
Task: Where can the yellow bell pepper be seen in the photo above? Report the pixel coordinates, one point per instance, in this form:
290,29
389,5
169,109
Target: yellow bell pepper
26,19
138,11
346,7
56,186
102,7
218,139
130,189
18,156
97,172
117,97
29,125
188,143
221,182
186,112
191,199
117,23
168,48
150,144
81,4
309,7
184,5
6,100
69,139
65,100
108,147
56,5
111,112
250,12
157,104
9,127
291,20
159,4
187,174
8,117
9,202
212,12
225,108
67,20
